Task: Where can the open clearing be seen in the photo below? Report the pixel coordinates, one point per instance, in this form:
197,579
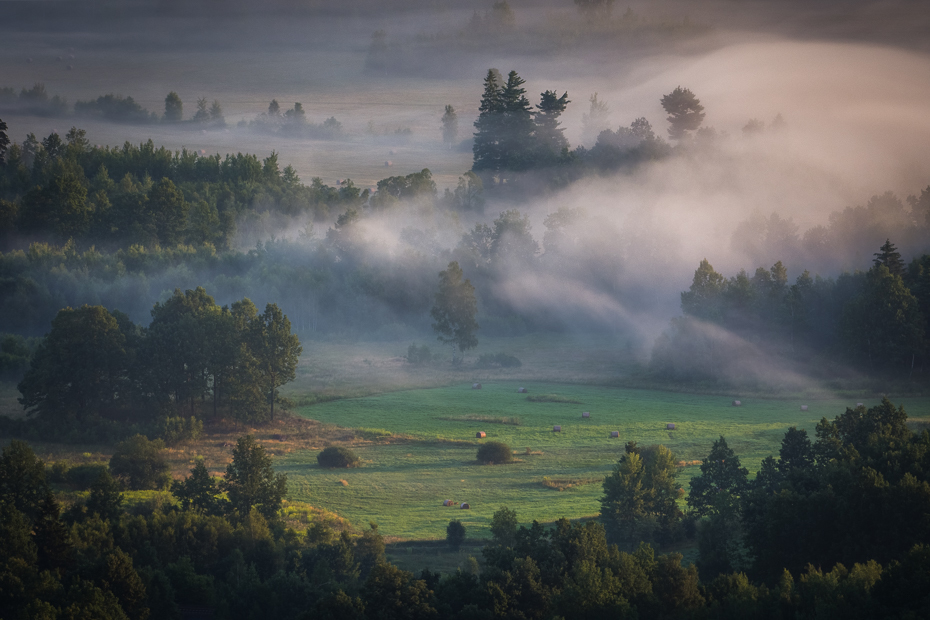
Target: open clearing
418,448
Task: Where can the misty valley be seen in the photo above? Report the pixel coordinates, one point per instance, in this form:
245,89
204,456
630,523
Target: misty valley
517,309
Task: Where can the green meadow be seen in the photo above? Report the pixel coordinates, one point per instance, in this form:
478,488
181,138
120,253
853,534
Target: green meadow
418,448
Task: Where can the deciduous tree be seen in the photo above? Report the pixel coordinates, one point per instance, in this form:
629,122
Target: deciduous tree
454,310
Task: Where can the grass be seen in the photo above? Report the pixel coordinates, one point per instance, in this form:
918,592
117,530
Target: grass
430,454
552,398
488,419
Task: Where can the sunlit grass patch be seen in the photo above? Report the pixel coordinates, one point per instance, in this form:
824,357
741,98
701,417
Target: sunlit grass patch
489,419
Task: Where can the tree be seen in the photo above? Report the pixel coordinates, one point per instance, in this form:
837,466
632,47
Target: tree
469,193
105,497
141,463
4,142
203,114
889,256
494,452
486,146
883,325
454,311
165,216
181,343
22,479
455,534
174,108
641,489
450,126
274,108
216,113
250,481
595,120
703,299
516,125
504,526
722,480
81,369
512,242
685,112
276,350
199,491
549,138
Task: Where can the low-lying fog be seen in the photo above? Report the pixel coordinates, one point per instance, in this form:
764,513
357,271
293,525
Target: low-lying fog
854,110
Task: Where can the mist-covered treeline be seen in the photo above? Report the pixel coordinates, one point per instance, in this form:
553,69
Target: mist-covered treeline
877,320
56,190
122,227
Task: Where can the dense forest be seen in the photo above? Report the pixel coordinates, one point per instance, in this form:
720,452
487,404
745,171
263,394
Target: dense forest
227,547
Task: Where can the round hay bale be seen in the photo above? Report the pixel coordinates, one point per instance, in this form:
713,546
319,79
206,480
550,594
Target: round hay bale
481,435
670,426
464,506
476,386
803,407
521,390
614,434
737,403
448,502
388,163
585,414
858,404
557,428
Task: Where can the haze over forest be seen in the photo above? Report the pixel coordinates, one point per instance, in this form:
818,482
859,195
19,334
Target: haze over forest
848,83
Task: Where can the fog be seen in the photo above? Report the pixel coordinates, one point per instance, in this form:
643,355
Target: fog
850,80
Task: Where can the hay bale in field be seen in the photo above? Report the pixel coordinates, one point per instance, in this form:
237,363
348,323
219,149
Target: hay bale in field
670,426
521,390
476,386
585,414
448,502
464,506
803,407
858,404
737,403
481,434
614,434
557,428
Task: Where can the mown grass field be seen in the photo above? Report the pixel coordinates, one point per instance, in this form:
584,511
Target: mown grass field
418,448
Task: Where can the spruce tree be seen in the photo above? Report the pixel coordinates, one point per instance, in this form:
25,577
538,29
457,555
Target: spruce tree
487,146
549,138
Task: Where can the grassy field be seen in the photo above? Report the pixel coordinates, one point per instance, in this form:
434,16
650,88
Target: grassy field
418,448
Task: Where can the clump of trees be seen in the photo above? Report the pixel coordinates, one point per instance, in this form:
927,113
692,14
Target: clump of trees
877,319
97,365
338,457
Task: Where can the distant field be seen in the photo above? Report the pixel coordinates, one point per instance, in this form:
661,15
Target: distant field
420,448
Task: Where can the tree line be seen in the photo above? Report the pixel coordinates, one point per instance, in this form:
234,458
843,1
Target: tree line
97,372
877,319
830,528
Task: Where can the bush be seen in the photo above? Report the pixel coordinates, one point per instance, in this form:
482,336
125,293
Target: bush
140,463
418,355
503,360
337,456
455,534
494,452
82,477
